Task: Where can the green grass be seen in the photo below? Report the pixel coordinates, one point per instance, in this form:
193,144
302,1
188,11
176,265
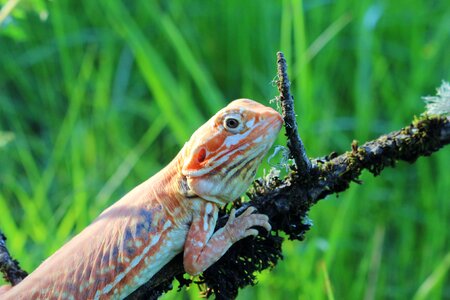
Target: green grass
96,96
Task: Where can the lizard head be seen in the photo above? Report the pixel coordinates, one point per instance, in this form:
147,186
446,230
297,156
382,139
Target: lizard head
222,156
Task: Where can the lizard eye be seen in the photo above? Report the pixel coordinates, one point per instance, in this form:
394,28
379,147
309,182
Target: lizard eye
232,123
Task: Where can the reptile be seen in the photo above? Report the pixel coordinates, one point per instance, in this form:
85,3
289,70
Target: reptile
173,211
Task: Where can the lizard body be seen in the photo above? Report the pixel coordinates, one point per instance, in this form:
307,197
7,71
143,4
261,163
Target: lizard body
173,211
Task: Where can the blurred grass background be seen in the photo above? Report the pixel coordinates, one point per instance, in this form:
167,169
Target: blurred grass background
96,96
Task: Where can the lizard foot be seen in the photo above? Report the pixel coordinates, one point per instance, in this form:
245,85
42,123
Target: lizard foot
239,227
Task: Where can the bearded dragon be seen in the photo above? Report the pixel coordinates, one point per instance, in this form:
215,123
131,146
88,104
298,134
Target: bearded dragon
174,211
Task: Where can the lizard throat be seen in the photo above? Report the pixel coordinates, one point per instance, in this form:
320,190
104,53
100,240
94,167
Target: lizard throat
188,193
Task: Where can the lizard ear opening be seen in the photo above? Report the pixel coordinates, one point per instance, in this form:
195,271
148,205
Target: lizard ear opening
195,162
201,155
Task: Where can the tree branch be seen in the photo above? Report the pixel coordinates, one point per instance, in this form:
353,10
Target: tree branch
287,201
8,266
295,144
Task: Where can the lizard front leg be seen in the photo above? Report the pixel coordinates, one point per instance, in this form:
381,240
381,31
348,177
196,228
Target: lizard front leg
203,248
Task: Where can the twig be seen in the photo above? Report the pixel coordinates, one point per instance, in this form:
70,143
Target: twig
295,144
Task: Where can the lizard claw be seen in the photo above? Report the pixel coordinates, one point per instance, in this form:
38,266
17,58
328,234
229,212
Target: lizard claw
251,232
240,227
249,211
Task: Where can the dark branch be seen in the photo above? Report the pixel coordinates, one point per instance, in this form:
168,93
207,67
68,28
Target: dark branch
8,266
295,144
422,138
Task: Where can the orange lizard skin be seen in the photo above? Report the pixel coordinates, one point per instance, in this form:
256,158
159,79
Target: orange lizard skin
173,211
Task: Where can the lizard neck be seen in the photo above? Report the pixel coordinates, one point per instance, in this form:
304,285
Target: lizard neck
170,186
